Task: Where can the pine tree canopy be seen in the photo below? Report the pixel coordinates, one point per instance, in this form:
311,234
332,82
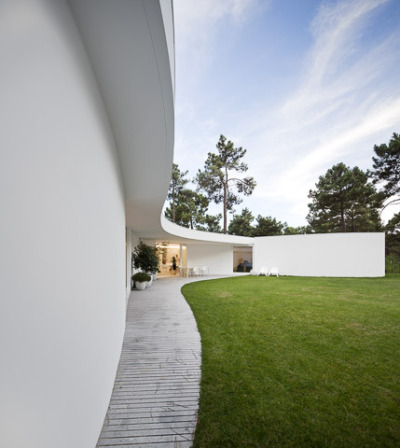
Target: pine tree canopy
386,168
344,201
217,181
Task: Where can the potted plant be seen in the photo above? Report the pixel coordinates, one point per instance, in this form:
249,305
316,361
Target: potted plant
145,257
150,282
140,280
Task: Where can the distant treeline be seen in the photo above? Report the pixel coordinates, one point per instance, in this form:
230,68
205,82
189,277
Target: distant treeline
344,199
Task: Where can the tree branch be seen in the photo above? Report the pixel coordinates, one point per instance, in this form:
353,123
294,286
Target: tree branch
237,180
391,202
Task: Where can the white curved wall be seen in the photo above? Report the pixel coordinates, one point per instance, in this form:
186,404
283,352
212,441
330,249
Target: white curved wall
128,51
184,234
62,238
217,257
63,272
167,10
318,255
323,255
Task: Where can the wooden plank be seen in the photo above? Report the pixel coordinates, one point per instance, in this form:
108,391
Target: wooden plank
156,392
170,439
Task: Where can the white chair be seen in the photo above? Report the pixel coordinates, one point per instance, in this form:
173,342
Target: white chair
274,271
195,271
263,271
204,270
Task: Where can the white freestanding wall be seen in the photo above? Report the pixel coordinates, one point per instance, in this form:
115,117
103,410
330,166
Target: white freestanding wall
319,255
323,255
218,257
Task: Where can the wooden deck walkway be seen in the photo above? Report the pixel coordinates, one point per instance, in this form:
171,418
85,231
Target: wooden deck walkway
155,398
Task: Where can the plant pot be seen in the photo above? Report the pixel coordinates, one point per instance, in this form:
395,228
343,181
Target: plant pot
141,285
155,276
150,282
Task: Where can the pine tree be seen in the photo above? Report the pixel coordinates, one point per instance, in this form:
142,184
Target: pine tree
241,224
190,208
386,166
268,226
210,223
344,201
176,185
216,178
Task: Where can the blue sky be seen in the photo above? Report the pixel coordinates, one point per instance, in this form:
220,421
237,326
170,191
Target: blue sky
302,85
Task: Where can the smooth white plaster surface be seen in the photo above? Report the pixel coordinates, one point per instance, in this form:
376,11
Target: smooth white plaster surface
218,257
331,255
128,50
183,234
64,262
323,255
167,10
62,238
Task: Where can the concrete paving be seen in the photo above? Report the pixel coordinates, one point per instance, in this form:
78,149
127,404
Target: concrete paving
156,393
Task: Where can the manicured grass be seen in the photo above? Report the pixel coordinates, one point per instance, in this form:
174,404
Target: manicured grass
298,362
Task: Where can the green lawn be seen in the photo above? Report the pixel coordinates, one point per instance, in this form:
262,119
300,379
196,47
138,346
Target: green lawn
298,362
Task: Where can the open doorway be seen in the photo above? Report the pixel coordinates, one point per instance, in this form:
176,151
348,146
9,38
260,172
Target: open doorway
173,257
242,258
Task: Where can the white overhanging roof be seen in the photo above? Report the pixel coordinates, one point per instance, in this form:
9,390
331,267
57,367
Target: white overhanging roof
127,47
183,235
130,45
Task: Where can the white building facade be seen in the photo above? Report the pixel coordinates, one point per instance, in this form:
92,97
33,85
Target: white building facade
87,130
86,138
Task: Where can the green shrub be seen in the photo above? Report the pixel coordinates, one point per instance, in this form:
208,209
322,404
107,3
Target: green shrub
145,257
141,277
392,264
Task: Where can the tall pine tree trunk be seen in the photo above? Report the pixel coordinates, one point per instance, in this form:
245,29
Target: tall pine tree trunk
342,221
173,204
225,206
225,199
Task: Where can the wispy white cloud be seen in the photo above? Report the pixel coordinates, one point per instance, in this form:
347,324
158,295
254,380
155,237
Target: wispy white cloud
346,99
335,29
196,21
196,25
342,103
335,146
336,65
